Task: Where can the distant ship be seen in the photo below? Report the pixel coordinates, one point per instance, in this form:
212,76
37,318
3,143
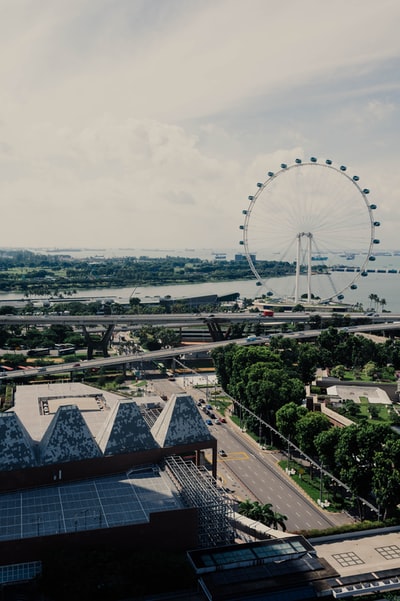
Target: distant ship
319,258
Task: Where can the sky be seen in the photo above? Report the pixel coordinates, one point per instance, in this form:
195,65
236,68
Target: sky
147,123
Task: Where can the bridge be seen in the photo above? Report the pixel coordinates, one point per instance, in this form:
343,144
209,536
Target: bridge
140,357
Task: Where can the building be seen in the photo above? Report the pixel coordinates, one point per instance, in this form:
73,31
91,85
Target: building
83,466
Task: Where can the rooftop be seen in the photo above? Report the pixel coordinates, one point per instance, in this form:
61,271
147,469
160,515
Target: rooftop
70,422
117,500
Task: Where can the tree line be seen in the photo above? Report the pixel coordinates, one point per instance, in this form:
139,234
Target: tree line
35,274
270,382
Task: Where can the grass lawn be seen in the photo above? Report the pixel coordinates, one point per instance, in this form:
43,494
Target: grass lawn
311,484
383,415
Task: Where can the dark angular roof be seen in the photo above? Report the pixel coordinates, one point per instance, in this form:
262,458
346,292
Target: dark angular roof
180,423
16,446
68,438
126,431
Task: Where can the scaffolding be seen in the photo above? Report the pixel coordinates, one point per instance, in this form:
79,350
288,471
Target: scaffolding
197,488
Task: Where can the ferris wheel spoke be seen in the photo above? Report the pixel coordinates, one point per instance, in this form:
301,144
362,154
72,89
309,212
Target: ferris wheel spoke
310,217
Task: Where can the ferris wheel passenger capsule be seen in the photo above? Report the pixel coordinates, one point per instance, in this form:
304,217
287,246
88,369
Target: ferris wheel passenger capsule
258,284
372,206
328,162
340,297
241,227
355,178
377,223
353,287
343,167
298,161
241,242
364,274
251,197
244,212
270,173
366,191
283,166
259,185
376,241
371,258
313,159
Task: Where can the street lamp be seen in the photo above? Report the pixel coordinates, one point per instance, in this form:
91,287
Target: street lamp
320,484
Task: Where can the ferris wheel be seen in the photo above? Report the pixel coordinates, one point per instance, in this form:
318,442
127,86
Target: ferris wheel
309,232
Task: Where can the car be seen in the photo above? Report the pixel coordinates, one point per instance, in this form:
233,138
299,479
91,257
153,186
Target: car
209,422
222,420
209,407
201,401
222,453
76,365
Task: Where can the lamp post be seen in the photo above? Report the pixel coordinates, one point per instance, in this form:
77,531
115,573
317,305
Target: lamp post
320,484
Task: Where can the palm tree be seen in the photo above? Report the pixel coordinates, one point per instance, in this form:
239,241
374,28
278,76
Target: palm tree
382,303
372,297
375,299
279,519
246,507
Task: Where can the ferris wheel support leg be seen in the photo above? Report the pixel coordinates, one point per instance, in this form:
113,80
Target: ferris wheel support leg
309,267
296,291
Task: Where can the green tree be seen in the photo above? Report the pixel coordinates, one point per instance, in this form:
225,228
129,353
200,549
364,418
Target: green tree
287,417
370,369
386,478
338,371
307,429
308,361
325,444
355,454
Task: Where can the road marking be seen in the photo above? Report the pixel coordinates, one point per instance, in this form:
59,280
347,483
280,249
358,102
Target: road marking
235,456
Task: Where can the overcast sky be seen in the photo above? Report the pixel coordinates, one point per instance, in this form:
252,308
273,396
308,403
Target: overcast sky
147,123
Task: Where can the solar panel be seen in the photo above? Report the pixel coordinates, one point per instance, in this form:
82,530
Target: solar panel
98,503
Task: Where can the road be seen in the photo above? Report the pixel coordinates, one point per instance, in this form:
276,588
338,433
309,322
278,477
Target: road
250,472
171,352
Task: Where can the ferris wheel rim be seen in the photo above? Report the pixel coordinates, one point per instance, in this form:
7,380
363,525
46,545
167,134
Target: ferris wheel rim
362,192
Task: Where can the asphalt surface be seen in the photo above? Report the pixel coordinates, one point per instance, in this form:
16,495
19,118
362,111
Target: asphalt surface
249,472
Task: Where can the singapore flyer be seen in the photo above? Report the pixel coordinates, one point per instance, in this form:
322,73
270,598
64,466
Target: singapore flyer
309,232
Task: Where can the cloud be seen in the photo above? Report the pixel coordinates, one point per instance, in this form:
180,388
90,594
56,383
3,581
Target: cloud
135,121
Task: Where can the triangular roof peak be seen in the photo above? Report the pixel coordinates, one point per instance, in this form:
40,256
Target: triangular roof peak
180,423
125,431
16,446
68,438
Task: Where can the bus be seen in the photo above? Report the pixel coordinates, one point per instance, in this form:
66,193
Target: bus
38,352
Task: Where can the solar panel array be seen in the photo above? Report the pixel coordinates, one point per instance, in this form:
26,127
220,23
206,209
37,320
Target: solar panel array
116,500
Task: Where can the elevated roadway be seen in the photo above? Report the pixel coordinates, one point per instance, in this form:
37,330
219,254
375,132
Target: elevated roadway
185,319
138,358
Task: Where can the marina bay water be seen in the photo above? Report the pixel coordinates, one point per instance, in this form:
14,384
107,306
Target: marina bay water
383,285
